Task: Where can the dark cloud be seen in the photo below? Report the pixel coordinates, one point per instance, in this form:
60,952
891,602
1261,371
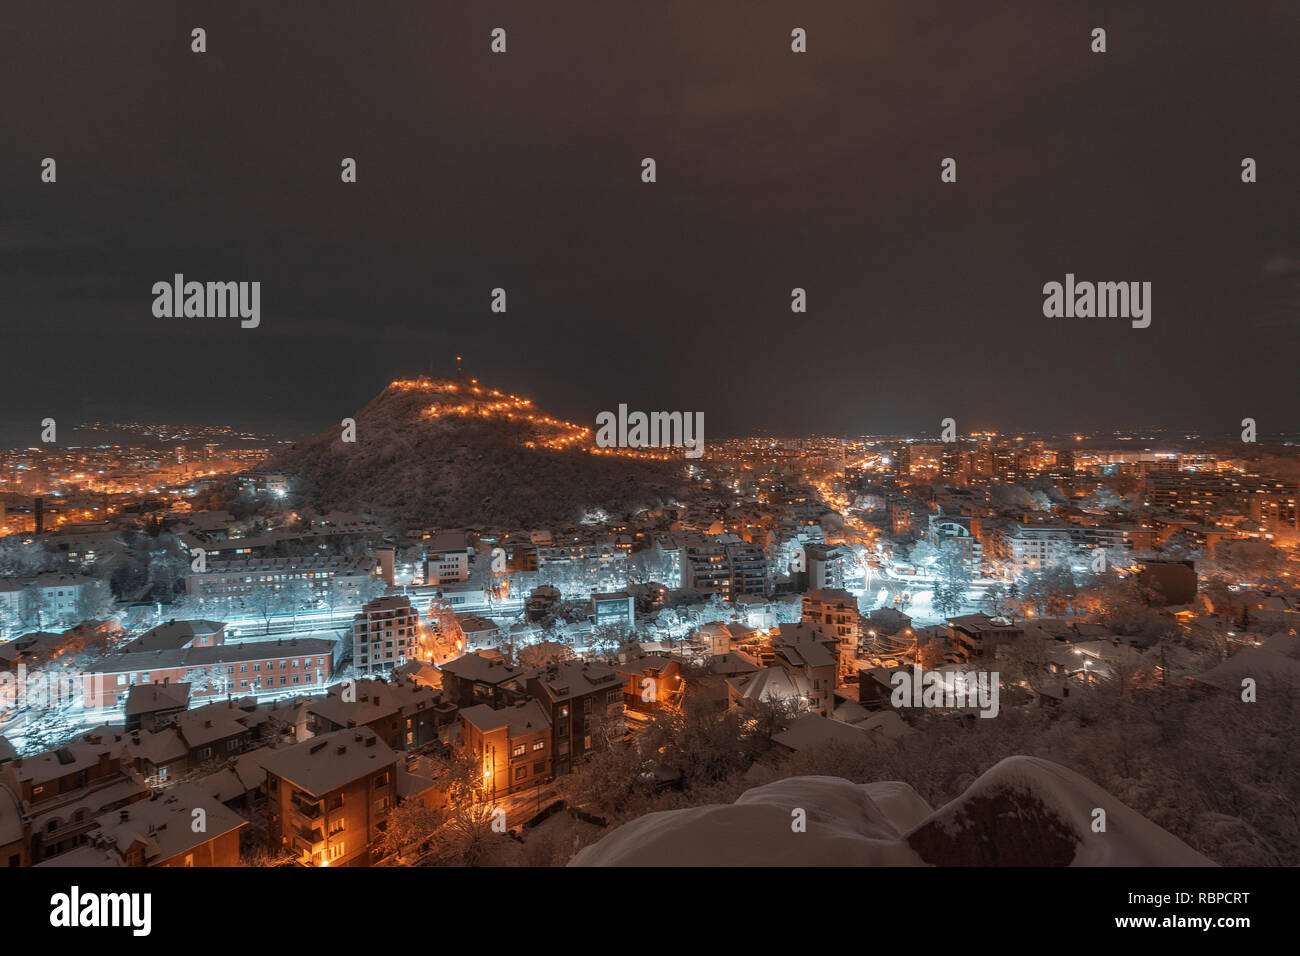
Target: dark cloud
775,171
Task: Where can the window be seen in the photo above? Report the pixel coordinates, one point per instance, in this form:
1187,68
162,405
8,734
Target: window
336,826
335,851
539,766
518,751
381,780
539,743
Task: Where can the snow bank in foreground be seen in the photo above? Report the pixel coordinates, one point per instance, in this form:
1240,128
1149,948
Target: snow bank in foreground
1026,811
1023,812
848,824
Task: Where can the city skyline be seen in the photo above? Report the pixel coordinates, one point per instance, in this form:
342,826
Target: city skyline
484,438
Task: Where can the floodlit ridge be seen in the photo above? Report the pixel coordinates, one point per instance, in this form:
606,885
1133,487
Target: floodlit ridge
477,401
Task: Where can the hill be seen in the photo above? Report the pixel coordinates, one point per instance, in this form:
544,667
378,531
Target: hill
453,453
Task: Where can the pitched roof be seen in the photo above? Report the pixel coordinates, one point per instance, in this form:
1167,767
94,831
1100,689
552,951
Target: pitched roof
331,760
149,698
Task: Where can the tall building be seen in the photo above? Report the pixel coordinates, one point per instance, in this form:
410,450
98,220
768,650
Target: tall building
726,568
385,634
950,461
837,611
826,565
903,460
1004,463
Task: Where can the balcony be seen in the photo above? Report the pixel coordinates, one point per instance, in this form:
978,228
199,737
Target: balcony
310,810
309,841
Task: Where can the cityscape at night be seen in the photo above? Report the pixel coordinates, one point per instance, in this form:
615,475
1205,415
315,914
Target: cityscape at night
560,437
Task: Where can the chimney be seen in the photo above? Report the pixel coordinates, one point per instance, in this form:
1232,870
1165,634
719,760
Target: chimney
124,816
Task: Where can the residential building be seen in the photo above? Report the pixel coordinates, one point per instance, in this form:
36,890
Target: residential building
385,634
512,745
582,699
328,798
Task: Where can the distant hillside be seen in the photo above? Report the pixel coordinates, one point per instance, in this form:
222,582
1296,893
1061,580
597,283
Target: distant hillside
443,452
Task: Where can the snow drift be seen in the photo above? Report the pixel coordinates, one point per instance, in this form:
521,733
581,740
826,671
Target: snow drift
1022,812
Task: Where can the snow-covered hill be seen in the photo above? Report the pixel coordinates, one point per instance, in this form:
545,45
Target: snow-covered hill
1022,812
453,453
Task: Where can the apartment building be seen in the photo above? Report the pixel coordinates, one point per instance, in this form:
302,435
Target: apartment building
512,745
810,651
580,697
385,634
328,798
160,832
837,611
957,531
406,715
259,668
58,795
478,678
446,558
335,579
726,567
978,635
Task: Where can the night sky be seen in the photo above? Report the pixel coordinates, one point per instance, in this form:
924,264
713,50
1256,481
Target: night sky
775,170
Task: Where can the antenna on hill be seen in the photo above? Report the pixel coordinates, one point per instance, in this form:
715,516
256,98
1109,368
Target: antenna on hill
459,373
